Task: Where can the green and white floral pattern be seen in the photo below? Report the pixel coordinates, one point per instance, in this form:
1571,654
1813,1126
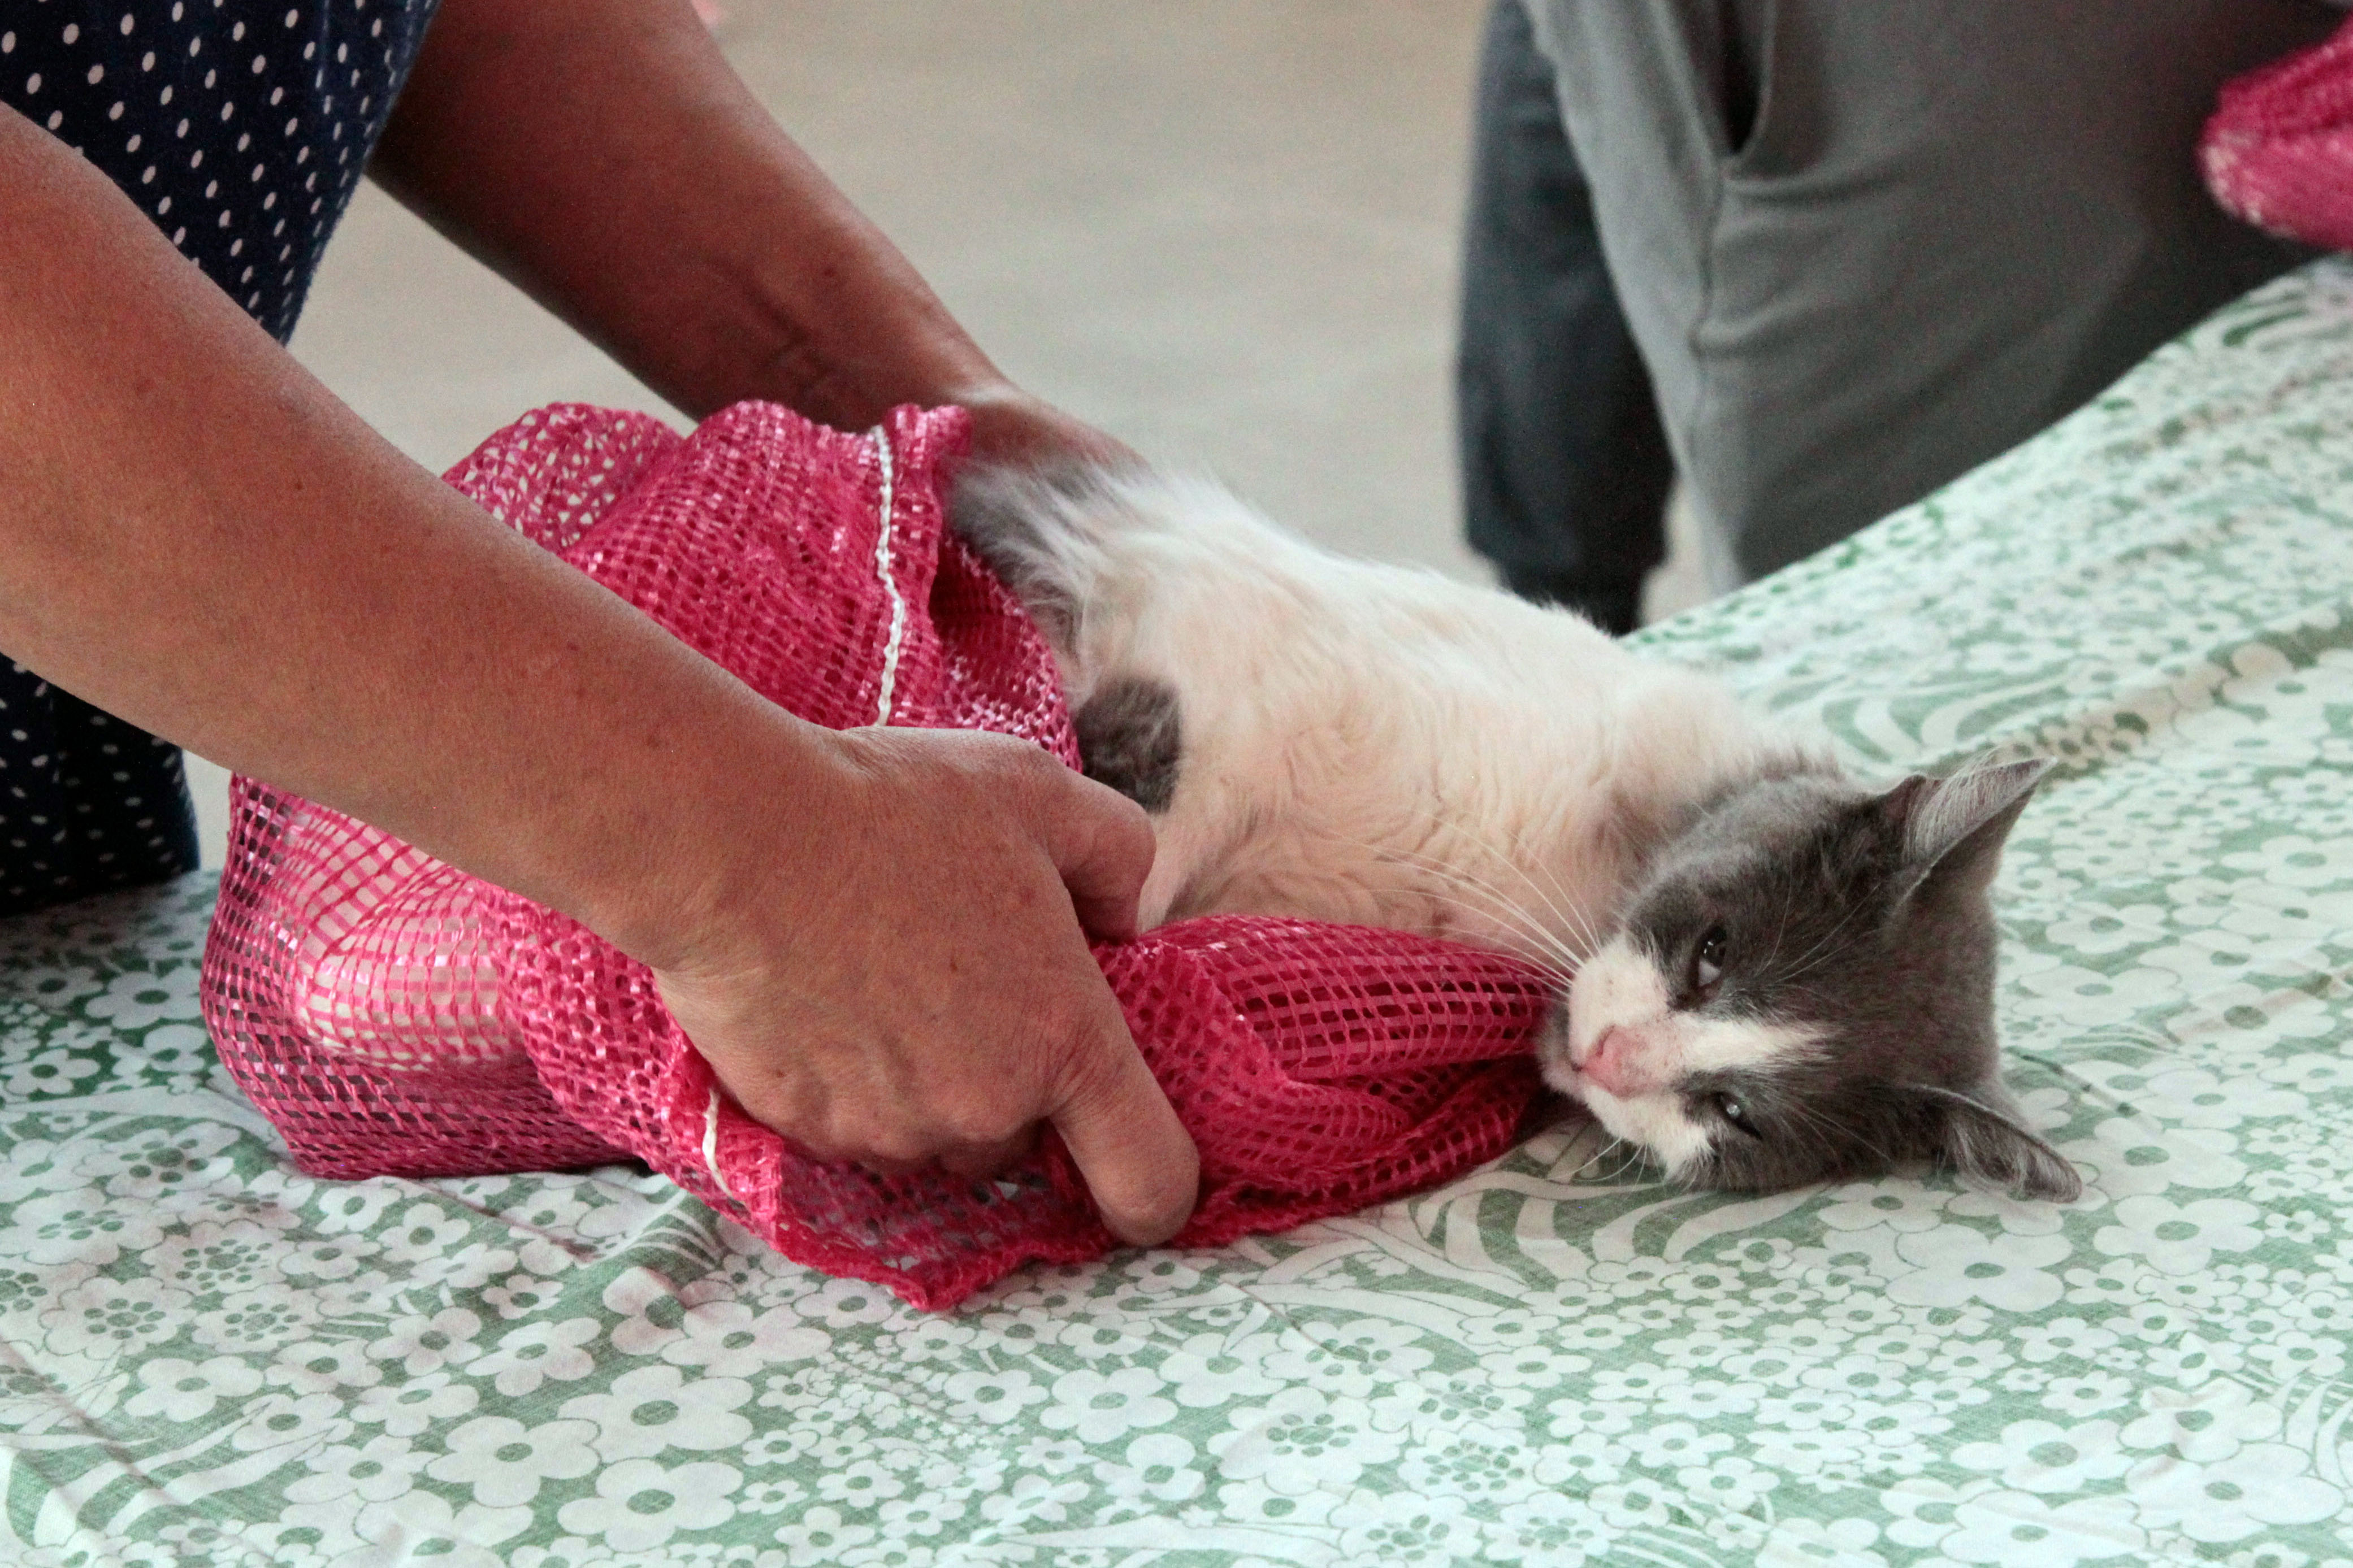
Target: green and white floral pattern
207,1358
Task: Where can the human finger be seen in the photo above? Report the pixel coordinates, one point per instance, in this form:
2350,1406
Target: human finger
1101,847
1135,1155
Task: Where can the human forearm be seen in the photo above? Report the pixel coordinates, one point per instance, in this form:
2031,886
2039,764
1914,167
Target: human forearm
195,535
871,936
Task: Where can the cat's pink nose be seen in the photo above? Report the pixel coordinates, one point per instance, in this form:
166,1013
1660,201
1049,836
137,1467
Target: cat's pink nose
1610,1063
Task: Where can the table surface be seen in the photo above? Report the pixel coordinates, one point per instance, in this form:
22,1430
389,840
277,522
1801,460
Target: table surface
206,1357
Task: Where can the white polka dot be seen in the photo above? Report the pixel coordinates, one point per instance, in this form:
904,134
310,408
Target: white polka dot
33,83
97,75
73,31
236,34
227,109
115,113
132,145
260,63
57,118
293,16
127,23
147,175
7,43
147,61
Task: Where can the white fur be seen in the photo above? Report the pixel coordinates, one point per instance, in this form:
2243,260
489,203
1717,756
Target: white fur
1380,744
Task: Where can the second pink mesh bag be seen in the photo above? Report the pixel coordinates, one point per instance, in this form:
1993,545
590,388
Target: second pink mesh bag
392,1015
2279,149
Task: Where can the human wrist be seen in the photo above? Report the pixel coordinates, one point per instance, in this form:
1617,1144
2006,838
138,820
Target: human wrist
715,836
840,328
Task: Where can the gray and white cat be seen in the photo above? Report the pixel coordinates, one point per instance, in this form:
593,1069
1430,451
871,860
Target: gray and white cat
1772,976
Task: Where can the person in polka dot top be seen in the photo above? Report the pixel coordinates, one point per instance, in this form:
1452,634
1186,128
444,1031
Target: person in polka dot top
876,936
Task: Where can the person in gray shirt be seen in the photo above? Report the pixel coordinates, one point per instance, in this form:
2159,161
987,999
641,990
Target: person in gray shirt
1818,256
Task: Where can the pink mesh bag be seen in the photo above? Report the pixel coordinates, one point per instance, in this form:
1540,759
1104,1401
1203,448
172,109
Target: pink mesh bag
394,1015
2279,149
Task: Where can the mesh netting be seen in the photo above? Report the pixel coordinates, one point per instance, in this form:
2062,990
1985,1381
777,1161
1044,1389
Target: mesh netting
2279,149
392,1015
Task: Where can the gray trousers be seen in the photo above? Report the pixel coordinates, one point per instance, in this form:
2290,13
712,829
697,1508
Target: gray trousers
1861,247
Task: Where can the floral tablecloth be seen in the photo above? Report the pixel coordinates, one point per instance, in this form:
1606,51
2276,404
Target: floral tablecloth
207,1358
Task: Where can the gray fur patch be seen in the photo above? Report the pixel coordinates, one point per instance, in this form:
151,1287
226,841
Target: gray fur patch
1130,737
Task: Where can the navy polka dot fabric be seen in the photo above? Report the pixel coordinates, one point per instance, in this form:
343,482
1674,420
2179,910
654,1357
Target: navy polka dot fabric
241,130
87,802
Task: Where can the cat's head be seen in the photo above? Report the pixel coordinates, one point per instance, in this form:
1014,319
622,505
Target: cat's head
1801,990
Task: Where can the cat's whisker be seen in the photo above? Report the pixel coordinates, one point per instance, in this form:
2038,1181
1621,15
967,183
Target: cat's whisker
1821,951
1507,906
1575,921
1628,1155
1781,927
1581,920
1507,910
1580,927
1835,1134
1552,969
1562,968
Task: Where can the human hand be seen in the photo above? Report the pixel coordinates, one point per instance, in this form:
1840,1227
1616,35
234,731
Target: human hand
902,976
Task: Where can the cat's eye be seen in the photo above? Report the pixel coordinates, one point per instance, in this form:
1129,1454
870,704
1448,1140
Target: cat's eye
1707,961
1735,1109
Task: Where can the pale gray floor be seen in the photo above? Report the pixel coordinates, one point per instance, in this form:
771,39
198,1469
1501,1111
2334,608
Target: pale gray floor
1224,230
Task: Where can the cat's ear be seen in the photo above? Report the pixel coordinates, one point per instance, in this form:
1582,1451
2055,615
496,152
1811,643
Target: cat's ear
1954,828
1983,1135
